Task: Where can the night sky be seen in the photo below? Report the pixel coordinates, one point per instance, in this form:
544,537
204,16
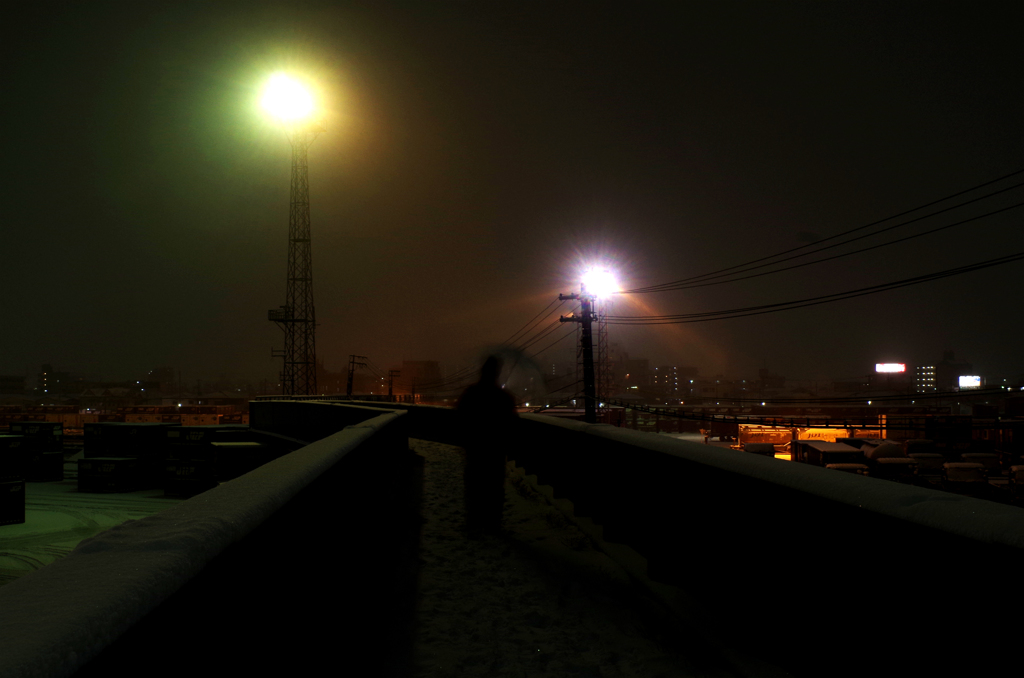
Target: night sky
476,152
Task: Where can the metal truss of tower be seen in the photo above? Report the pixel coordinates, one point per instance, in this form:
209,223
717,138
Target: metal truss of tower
297,318
603,366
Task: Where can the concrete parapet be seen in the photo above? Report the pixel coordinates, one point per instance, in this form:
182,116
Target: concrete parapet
233,573
791,562
309,420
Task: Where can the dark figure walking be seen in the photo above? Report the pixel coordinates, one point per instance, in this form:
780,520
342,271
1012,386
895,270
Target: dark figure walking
487,417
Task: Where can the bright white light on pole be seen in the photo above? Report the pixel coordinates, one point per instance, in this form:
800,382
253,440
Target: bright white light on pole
286,98
600,282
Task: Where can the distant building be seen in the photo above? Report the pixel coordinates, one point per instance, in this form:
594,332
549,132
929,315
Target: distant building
364,382
767,380
634,374
330,382
12,385
419,376
51,382
166,378
924,379
949,370
666,380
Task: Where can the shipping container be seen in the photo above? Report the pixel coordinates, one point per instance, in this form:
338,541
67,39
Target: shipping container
12,502
200,419
143,418
124,439
193,442
45,467
187,478
233,459
40,436
13,457
108,474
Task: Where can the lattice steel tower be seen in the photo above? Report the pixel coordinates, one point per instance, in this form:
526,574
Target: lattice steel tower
298,316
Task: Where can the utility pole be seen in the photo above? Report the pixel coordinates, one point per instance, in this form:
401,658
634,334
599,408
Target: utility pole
391,381
586,319
352,365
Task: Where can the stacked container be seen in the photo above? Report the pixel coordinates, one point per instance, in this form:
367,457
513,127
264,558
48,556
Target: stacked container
43,445
201,456
108,474
12,480
122,457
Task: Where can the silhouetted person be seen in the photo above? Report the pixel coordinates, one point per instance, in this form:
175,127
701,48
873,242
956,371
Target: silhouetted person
487,417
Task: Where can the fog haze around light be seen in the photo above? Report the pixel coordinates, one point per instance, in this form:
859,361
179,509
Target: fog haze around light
474,151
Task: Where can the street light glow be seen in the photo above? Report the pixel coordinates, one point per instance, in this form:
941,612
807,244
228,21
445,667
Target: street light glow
286,98
600,282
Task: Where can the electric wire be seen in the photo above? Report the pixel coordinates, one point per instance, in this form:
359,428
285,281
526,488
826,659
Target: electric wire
467,375
835,256
571,332
531,323
550,329
811,301
540,335
651,288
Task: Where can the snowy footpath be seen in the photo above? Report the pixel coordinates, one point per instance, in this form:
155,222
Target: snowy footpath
538,602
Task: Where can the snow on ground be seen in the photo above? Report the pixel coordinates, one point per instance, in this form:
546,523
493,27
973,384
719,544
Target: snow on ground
58,517
537,602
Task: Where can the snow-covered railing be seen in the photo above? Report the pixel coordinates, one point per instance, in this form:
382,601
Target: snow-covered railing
309,419
813,569
820,571
192,581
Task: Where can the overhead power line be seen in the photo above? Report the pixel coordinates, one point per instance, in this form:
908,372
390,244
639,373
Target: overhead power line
527,335
749,265
812,301
836,256
533,322
571,332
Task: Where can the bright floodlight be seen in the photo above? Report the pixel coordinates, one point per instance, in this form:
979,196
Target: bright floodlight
286,98
600,282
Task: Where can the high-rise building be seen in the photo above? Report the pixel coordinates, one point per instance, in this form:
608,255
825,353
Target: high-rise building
949,370
924,378
666,380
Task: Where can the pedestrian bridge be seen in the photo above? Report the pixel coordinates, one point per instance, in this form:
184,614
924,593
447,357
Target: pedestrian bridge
776,568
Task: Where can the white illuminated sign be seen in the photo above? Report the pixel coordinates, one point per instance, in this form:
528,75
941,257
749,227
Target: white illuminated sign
890,367
970,382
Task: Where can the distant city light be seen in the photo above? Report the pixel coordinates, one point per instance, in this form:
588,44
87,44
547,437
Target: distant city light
971,381
890,367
